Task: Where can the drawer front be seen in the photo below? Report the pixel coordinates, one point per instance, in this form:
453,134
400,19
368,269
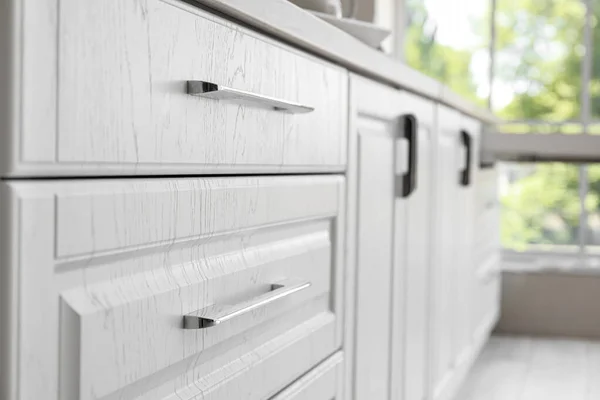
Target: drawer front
109,269
123,104
322,383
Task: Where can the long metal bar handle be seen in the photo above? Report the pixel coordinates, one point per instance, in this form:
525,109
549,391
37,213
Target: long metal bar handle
213,91
216,314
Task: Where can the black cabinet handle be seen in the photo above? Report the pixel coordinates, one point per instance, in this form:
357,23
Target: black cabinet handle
465,174
409,179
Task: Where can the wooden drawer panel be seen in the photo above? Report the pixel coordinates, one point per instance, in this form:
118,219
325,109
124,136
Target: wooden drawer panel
322,383
122,102
108,269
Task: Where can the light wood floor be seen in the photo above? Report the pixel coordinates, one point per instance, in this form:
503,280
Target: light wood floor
520,368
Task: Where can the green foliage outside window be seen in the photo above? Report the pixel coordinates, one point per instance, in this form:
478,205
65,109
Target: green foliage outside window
537,76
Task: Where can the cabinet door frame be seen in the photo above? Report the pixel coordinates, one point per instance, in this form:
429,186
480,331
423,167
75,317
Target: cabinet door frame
377,103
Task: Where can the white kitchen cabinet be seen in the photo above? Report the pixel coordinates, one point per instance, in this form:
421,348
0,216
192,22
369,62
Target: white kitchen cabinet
417,253
203,288
162,87
457,292
390,140
444,252
375,131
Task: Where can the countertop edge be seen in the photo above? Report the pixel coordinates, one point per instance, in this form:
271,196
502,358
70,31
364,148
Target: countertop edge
287,22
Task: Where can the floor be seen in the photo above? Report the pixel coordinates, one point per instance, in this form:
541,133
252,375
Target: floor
520,368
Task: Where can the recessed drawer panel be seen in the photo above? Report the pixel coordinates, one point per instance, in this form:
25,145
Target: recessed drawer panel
322,383
177,288
161,87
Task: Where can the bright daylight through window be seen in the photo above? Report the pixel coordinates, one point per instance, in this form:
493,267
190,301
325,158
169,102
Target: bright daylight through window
537,67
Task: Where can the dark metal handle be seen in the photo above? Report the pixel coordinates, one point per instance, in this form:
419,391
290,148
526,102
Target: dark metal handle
409,179
465,174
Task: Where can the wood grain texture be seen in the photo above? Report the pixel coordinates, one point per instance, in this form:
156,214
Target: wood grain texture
393,246
121,106
322,383
512,367
39,85
117,263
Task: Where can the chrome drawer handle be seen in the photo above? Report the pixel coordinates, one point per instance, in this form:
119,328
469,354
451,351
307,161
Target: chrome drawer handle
216,314
211,90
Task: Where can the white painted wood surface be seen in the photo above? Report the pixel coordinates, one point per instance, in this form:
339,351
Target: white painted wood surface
322,383
535,369
120,105
443,267
9,292
487,220
464,233
393,245
378,324
416,255
465,286
108,268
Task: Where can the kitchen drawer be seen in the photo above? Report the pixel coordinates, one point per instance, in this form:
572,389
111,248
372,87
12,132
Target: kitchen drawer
122,102
109,268
322,383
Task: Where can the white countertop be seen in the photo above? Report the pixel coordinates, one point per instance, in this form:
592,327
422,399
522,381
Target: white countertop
282,19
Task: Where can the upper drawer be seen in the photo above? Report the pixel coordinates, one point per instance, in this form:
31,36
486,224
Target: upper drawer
120,103
115,277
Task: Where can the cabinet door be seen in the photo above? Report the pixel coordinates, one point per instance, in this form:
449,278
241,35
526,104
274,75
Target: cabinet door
416,253
376,152
468,136
446,228
452,268
389,175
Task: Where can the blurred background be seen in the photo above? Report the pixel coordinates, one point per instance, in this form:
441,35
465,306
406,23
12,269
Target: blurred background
536,64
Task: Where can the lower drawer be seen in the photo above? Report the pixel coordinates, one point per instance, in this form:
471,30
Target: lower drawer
216,288
323,383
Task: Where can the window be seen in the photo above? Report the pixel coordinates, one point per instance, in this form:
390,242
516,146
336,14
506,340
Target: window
547,80
451,43
541,210
538,60
536,63
592,210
